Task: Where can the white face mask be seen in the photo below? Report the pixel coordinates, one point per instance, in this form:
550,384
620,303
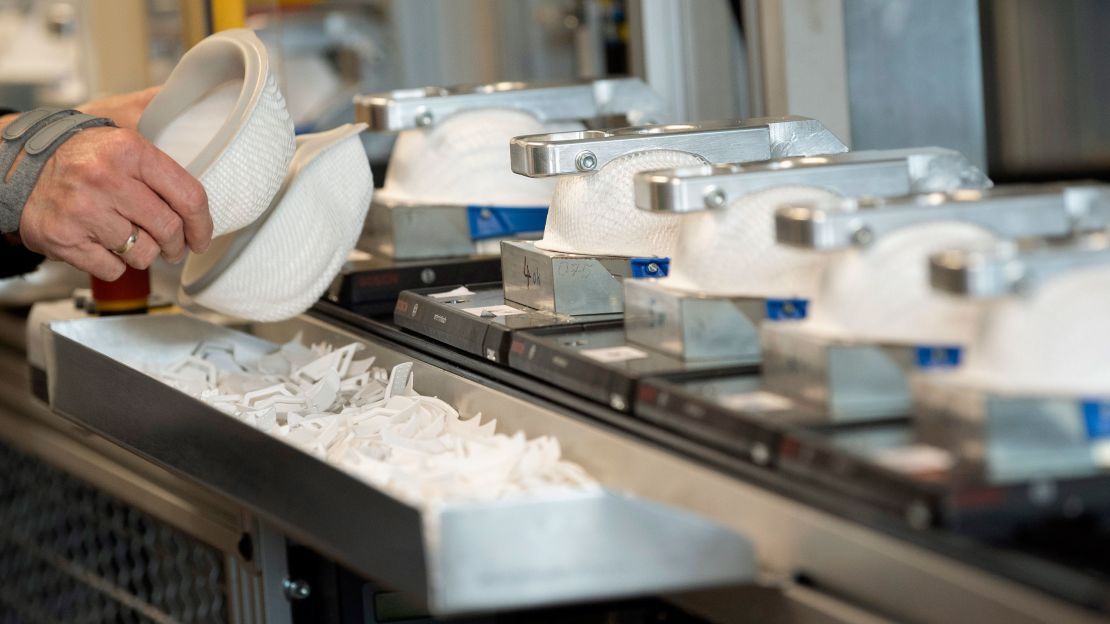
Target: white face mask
596,213
464,160
882,292
280,265
732,251
1053,340
222,117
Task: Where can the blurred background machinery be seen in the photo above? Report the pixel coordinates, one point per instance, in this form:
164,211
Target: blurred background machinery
1015,85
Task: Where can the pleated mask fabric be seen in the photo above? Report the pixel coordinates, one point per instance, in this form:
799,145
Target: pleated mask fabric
464,160
221,116
732,252
1055,340
596,213
300,245
882,294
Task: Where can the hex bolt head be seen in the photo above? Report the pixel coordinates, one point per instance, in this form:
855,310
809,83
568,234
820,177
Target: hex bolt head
424,118
715,197
863,236
585,161
761,455
652,267
428,276
295,589
616,401
919,516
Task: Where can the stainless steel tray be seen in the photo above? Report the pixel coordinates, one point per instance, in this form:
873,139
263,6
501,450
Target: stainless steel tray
462,558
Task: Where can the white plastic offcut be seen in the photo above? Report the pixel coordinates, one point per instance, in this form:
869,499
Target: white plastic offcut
1053,340
372,423
733,253
222,117
596,213
881,293
280,265
464,160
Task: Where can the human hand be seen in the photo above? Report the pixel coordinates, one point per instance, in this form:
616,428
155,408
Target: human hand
124,109
100,185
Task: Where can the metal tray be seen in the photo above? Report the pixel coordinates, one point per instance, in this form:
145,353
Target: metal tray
460,558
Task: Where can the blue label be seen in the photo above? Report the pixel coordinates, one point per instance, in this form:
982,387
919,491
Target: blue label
1096,416
500,221
786,309
649,267
933,356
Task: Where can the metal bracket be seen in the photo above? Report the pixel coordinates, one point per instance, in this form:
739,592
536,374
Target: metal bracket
628,98
1011,212
564,153
877,173
1006,269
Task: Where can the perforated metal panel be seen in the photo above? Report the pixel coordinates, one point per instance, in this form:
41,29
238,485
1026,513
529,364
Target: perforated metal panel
71,553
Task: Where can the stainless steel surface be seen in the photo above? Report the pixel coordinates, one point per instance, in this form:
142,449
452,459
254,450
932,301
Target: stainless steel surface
798,66
848,381
1011,212
544,155
563,283
1007,269
271,559
417,108
866,569
1011,437
691,53
914,74
574,547
405,231
881,173
692,327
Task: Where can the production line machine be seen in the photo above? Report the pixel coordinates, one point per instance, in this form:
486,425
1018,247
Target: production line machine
449,196
789,367
843,380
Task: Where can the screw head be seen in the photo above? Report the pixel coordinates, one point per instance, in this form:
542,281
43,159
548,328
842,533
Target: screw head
918,515
715,197
863,236
585,161
652,267
485,213
761,455
295,589
428,276
616,401
424,118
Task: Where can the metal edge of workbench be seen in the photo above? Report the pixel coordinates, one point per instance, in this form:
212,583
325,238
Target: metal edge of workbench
1051,581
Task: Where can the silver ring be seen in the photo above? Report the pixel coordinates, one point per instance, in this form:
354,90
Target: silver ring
129,243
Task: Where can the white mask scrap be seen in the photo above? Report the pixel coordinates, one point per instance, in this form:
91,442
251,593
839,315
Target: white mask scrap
372,424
